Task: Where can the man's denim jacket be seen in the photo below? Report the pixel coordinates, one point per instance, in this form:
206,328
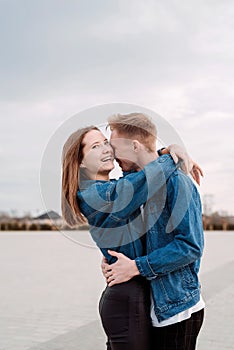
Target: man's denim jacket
112,208
174,246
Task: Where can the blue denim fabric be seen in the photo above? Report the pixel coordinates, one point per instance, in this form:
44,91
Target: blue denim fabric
174,246
113,207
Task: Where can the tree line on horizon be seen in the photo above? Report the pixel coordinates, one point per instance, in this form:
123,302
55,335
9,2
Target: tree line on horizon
53,221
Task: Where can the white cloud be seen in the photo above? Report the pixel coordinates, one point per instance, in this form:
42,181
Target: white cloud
59,58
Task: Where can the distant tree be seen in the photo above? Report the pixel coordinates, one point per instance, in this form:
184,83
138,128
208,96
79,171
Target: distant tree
208,203
33,227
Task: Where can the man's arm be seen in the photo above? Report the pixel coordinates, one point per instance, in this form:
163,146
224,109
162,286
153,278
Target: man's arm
186,247
184,225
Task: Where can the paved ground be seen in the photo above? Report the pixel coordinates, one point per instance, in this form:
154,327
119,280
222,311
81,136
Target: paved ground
217,332
49,294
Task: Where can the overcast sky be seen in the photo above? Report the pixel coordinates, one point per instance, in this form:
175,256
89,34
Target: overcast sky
61,57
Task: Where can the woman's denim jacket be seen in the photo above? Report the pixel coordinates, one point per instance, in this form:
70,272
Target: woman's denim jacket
112,208
175,243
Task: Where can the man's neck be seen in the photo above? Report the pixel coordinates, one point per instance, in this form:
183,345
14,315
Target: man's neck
145,158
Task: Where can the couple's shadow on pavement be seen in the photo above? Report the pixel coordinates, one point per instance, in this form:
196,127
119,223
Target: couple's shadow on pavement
91,336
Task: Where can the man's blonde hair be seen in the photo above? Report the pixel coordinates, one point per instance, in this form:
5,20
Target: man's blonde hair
135,125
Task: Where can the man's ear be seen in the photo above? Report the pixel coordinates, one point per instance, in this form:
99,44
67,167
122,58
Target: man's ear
136,145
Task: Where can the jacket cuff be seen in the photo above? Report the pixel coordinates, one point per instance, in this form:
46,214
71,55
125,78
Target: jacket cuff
144,268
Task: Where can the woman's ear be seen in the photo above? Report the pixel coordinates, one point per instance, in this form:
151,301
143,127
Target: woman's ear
82,165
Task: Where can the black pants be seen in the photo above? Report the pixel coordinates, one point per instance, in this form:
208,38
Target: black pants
178,336
125,314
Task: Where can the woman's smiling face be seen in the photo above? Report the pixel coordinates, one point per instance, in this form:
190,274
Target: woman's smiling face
98,155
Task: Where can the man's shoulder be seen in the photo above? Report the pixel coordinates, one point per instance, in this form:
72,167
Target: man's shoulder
182,192
165,158
179,177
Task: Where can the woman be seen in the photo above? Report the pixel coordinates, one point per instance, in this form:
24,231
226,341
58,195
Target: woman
115,223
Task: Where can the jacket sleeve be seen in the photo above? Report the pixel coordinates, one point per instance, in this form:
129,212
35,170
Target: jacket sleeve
123,197
185,224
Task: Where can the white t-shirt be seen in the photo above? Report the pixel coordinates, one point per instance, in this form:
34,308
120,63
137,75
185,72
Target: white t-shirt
184,315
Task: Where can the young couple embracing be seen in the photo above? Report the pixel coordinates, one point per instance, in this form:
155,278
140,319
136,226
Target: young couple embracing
148,226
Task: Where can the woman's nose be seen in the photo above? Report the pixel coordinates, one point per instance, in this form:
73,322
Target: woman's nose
107,148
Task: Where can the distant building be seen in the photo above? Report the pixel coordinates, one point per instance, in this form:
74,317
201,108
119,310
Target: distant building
50,218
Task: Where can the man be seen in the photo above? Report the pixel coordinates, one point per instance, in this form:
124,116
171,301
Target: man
174,241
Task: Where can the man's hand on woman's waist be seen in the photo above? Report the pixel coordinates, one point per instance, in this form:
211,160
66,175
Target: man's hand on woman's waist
121,271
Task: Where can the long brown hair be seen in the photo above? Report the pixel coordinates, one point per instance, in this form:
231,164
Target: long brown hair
71,159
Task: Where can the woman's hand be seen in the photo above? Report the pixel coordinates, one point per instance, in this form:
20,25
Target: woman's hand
188,166
196,172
